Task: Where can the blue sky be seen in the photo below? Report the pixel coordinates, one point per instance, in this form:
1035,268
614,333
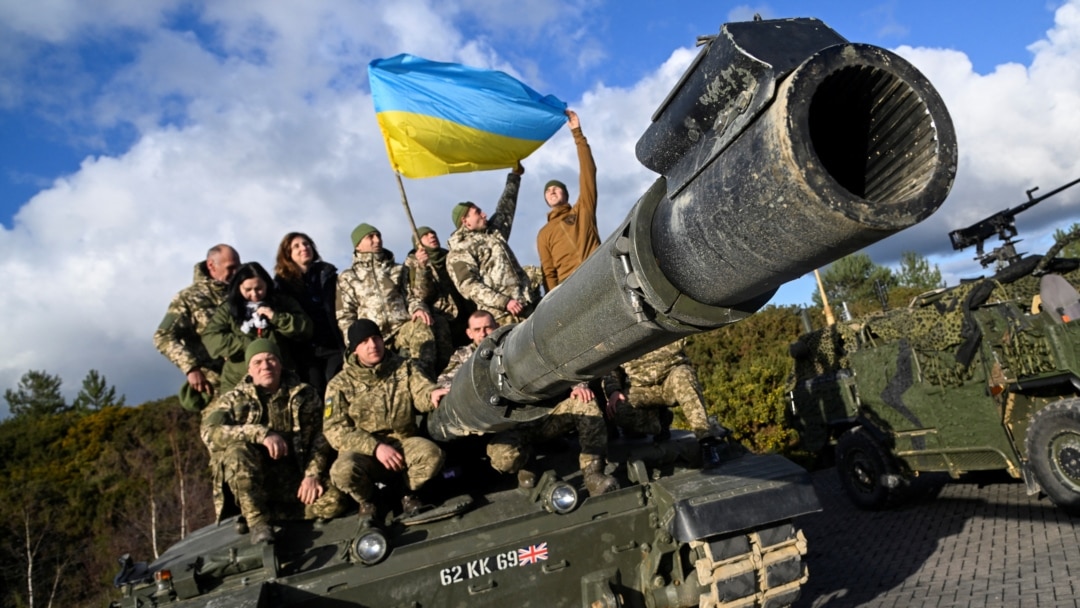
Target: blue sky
134,134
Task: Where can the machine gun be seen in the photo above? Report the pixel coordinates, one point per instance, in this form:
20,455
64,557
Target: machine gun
1003,224
782,148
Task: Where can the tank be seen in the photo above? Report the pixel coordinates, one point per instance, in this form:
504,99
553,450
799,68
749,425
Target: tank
783,147
982,376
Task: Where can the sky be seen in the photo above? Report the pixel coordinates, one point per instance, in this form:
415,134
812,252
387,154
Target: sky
135,134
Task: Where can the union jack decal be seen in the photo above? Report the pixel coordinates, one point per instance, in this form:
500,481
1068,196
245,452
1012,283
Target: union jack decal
532,554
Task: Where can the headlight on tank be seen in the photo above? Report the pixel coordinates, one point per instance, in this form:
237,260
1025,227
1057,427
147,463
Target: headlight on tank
371,546
560,498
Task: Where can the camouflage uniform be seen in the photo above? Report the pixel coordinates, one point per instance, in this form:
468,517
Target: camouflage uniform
179,336
225,338
234,427
449,309
376,288
662,378
483,267
368,406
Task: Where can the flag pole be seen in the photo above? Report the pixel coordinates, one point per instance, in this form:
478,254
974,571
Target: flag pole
408,212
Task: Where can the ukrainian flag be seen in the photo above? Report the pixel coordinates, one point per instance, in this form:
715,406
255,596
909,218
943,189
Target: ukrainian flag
440,118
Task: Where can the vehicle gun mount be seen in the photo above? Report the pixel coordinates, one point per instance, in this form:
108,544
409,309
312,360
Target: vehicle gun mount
1002,224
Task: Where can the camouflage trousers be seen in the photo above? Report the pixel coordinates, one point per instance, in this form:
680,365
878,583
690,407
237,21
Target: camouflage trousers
356,474
510,450
265,489
681,388
444,341
415,339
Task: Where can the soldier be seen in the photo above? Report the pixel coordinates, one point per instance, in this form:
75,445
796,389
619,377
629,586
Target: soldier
481,264
370,419
509,451
377,288
657,380
178,337
431,281
266,445
570,234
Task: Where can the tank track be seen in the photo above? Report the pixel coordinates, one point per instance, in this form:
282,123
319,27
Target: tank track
762,569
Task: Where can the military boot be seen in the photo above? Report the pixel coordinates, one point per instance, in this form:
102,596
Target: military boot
410,505
526,479
261,533
596,481
241,525
366,512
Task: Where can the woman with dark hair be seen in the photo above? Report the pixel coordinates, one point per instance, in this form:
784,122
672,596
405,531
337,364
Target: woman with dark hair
302,274
253,309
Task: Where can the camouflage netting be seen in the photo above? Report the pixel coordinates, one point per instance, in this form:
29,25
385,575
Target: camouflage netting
937,325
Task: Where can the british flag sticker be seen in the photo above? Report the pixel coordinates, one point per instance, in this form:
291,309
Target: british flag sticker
532,554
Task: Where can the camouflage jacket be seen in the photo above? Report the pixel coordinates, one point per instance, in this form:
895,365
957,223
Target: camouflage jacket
225,338
248,414
649,369
481,264
367,405
432,283
179,336
375,288
457,359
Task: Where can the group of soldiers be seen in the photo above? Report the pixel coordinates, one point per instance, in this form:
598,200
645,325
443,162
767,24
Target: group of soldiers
281,450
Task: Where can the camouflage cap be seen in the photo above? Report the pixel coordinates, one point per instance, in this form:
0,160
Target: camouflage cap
459,212
261,345
360,232
361,330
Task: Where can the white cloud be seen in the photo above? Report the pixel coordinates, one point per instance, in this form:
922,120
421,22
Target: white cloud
260,125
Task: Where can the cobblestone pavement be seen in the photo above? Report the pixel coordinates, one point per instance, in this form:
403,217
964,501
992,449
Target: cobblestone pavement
975,543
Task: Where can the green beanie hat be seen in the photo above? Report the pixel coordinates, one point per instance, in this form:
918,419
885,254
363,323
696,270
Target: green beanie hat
360,232
459,212
261,345
420,232
555,182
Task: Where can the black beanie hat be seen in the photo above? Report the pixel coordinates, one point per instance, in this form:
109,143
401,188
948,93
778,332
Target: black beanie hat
361,330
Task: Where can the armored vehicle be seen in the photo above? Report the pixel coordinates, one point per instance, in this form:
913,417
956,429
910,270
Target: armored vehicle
784,146
982,376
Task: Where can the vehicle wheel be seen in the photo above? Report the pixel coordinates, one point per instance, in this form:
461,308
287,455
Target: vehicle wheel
864,466
1053,449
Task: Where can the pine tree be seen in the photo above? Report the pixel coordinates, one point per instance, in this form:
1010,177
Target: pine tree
915,271
1072,250
96,393
853,278
38,395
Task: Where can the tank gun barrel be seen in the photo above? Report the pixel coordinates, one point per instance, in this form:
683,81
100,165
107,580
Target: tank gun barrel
782,148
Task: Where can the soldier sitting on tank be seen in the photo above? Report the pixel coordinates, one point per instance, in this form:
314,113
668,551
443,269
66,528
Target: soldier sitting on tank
370,418
267,446
377,288
640,396
481,263
509,451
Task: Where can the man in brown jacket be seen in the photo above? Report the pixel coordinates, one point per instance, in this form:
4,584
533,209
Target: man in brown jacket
570,234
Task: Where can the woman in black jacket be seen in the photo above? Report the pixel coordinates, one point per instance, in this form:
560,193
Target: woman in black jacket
302,274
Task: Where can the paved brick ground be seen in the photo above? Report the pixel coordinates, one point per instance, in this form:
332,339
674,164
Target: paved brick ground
970,544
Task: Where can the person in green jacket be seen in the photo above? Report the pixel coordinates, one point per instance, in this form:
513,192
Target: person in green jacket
252,310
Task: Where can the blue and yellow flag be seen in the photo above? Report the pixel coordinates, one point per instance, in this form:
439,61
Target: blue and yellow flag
440,118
